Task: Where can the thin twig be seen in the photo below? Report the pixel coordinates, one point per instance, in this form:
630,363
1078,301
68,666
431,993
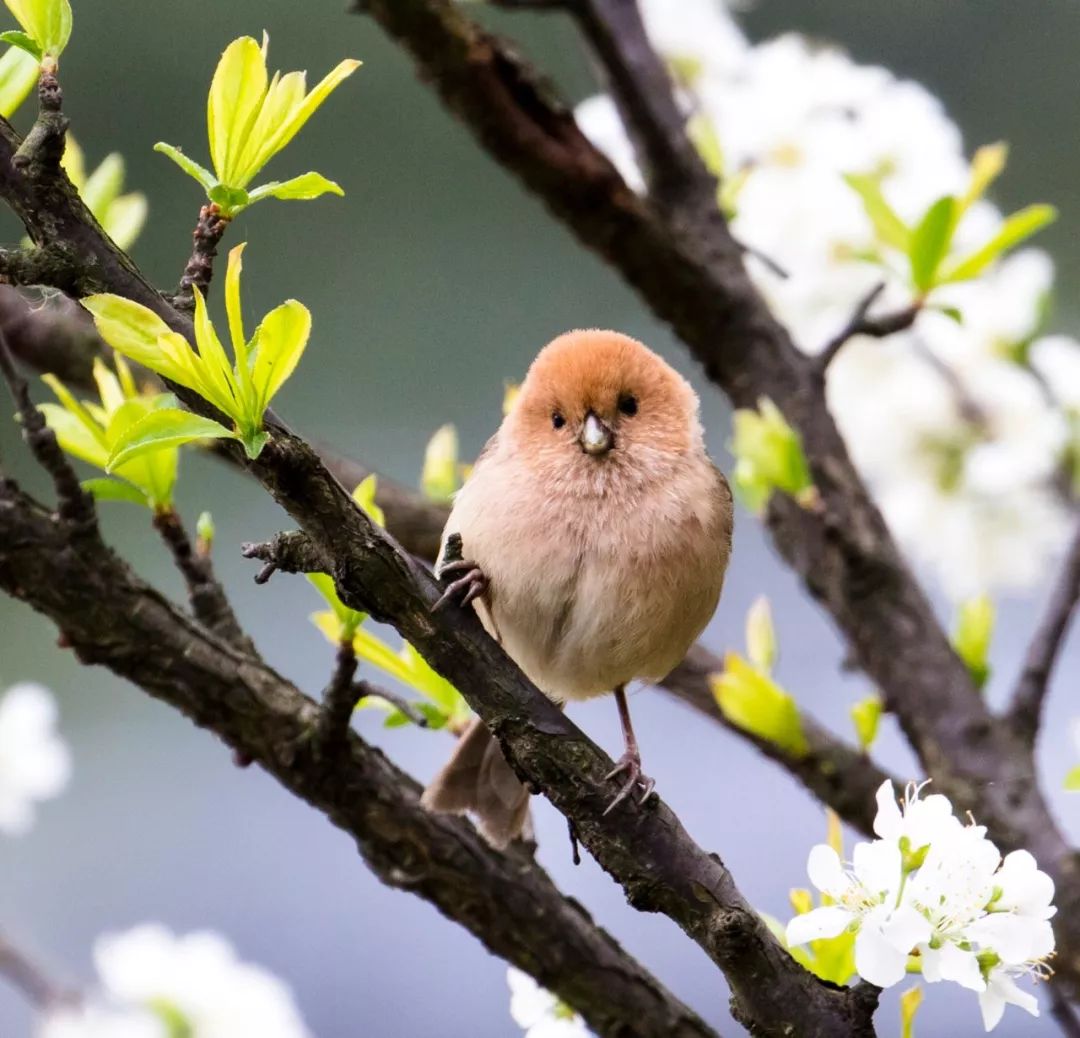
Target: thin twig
1030,694
338,699
209,602
23,973
861,323
75,505
366,688
209,230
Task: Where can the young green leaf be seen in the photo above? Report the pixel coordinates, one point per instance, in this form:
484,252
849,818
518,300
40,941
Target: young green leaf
986,166
1013,231
752,701
910,1001
1072,780
761,644
168,427
301,188
364,496
883,218
105,489
27,44
188,165
974,632
866,716
440,477
46,22
930,242
18,74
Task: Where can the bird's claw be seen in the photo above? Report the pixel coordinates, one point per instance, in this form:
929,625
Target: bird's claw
630,762
464,589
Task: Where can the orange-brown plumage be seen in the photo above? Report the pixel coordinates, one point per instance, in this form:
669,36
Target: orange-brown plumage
603,531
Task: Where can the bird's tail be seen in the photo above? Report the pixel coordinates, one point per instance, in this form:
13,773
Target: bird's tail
477,779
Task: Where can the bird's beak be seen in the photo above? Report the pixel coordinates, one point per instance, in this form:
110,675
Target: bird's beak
596,437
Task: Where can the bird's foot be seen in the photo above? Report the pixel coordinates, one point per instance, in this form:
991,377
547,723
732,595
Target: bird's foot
630,764
468,583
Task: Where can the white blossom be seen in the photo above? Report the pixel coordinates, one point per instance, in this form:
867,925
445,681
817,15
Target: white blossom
937,892
538,1012
198,978
35,763
960,429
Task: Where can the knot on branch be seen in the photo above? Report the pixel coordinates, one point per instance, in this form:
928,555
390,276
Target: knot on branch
290,551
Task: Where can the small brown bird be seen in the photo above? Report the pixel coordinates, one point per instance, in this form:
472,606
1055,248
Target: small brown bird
595,534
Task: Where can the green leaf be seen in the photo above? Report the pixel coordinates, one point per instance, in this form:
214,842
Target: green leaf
114,490
930,242
752,701
25,43
887,225
910,1001
1072,780
1014,230
953,313
301,188
204,528
761,644
866,716
986,167
279,342
364,495
18,74
189,166
254,442
229,199
971,640
439,478
169,427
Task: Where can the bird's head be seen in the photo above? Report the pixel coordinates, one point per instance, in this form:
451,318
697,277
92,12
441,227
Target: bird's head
600,401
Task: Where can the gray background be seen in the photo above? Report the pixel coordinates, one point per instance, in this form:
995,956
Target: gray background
435,279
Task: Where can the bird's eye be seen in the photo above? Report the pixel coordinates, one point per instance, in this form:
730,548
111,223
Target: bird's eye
557,420
628,405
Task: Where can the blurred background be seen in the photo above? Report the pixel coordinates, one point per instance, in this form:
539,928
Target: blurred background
432,282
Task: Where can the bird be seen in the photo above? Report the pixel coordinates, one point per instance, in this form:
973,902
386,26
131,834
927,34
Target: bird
591,537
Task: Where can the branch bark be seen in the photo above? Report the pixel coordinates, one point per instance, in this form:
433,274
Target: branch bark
112,618
1025,710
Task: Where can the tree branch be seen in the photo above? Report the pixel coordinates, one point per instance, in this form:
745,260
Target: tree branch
23,973
835,772
1025,710
209,230
209,602
338,700
862,324
506,901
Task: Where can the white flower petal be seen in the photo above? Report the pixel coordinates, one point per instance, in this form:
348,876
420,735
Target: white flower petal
820,922
877,960
906,928
825,870
887,821
962,967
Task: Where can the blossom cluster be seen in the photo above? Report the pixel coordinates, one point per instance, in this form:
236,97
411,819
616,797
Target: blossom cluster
538,1012
964,425
156,984
935,896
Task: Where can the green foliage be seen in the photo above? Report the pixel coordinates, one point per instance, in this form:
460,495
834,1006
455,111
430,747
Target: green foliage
441,476
768,457
121,216
18,74
910,1001
972,637
866,716
205,530
929,243
46,27
90,431
1072,780
761,645
241,391
250,118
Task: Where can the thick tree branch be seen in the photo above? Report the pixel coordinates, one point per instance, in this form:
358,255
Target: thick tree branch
1025,711
110,617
